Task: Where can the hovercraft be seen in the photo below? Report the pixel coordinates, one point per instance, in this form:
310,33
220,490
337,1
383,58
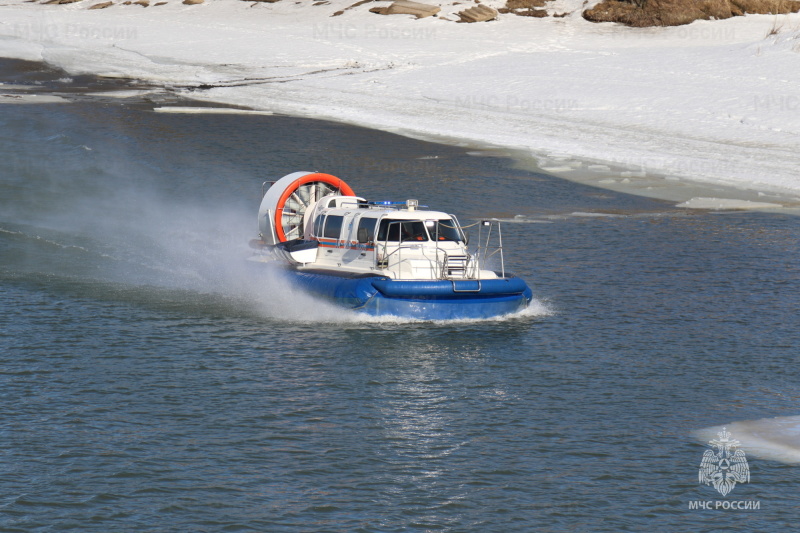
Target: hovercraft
383,258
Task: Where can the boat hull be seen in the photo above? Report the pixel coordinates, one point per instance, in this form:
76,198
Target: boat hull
424,300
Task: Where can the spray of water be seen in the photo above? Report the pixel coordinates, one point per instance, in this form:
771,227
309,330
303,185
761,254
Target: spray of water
95,215
136,241
776,439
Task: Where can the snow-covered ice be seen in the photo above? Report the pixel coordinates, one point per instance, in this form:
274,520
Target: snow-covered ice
714,101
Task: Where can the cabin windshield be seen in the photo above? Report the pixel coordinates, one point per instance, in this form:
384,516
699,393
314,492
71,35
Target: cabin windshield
409,230
418,230
444,230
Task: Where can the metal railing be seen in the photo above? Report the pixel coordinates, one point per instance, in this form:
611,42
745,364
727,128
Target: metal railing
487,230
382,260
447,266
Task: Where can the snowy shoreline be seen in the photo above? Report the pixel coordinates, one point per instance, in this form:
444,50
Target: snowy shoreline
714,102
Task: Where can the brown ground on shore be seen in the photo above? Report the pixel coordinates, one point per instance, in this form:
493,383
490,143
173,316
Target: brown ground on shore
635,13
642,13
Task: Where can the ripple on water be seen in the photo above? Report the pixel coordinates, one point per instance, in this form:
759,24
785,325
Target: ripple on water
148,384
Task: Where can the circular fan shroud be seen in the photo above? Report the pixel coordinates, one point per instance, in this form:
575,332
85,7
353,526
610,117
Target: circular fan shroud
298,196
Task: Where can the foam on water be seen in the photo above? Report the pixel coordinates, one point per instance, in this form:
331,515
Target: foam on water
272,296
536,309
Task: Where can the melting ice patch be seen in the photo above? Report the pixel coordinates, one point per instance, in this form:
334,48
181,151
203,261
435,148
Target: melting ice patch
209,110
31,99
776,439
726,203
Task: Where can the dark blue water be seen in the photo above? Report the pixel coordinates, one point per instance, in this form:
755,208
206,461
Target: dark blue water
149,383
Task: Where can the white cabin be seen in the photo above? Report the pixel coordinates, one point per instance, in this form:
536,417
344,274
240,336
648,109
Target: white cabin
347,234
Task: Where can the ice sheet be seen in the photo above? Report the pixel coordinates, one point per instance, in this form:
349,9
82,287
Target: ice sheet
714,101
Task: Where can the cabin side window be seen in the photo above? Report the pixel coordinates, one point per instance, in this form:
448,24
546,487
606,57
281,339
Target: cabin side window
318,222
333,226
366,229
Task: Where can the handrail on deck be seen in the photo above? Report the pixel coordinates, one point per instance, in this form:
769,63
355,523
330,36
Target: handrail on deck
486,250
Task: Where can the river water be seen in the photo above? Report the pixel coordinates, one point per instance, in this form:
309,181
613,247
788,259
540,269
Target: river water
149,383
